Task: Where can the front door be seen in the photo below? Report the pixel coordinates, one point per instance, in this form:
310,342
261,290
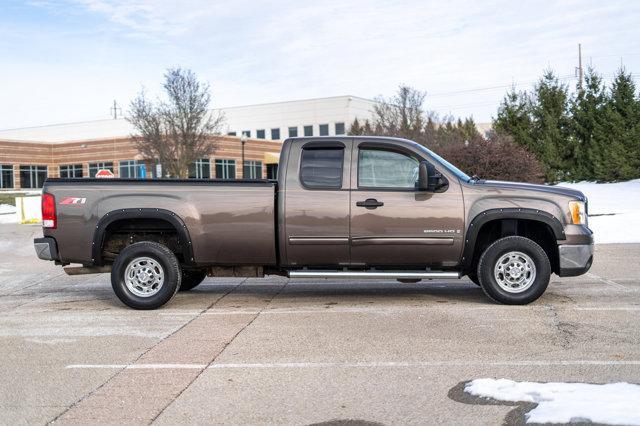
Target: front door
393,223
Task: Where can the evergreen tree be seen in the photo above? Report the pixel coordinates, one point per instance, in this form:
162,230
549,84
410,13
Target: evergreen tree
514,118
623,117
588,128
551,127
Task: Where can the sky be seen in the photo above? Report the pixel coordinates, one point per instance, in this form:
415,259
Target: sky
68,60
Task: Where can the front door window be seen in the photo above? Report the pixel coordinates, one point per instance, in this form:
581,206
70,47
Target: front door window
378,168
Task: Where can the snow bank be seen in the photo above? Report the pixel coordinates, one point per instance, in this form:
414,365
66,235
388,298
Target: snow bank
8,214
613,403
614,210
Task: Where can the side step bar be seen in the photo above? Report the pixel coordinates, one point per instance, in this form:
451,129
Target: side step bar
375,274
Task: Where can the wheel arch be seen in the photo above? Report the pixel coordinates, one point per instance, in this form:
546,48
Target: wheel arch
122,215
512,221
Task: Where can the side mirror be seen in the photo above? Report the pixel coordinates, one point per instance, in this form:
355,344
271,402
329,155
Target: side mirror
429,179
423,176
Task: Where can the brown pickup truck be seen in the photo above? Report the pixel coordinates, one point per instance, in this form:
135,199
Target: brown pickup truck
342,207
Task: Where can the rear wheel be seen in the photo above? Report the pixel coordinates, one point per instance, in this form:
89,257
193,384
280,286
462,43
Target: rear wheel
191,278
514,270
145,275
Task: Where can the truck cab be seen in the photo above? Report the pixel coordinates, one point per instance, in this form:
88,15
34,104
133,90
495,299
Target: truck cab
359,203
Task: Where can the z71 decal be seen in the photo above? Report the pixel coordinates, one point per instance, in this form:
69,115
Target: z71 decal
72,200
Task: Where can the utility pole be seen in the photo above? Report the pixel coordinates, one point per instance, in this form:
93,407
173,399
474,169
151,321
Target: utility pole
115,109
579,68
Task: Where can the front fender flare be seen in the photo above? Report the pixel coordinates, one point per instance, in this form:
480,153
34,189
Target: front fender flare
506,213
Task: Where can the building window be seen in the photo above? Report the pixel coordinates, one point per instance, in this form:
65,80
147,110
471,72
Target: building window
272,171
95,167
201,169
231,133
324,130
32,176
308,130
275,134
225,169
6,176
322,167
252,170
293,132
260,133
128,169
71,171
340,129
247,133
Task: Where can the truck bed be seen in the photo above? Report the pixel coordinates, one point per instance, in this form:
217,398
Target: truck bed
229,222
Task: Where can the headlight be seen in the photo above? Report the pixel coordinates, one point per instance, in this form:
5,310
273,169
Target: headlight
578,212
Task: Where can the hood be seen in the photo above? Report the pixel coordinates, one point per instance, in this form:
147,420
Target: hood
558,190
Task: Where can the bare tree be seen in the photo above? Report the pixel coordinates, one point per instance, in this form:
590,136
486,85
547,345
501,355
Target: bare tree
401,115
180,129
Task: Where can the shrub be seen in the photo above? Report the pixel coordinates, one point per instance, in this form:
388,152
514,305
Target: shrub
496,158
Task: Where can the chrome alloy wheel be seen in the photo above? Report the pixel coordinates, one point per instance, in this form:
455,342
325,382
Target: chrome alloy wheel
144,276
515,272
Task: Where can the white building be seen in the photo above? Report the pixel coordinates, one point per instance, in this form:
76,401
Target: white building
273,121
311,117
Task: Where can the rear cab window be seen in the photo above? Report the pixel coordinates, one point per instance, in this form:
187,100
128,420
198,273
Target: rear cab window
321,167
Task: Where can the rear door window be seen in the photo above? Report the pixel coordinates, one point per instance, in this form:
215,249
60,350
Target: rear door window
321,168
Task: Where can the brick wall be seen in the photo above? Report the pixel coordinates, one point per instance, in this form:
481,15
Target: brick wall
53,155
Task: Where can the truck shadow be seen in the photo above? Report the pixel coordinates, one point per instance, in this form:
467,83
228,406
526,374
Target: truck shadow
366,291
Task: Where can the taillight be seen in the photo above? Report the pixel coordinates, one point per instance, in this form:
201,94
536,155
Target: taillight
49,219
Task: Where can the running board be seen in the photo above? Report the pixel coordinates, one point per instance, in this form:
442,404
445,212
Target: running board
375,274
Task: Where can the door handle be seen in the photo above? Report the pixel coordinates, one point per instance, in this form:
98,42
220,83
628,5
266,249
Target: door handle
370,203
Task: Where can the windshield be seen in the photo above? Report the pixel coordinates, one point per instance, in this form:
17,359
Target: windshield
453,169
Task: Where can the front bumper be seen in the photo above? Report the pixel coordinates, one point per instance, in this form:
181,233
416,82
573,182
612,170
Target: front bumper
575,259
46,248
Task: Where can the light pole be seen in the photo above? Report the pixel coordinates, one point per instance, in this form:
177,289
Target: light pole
243,139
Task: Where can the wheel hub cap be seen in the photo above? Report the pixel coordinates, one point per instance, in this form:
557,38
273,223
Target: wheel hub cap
515,272
144,276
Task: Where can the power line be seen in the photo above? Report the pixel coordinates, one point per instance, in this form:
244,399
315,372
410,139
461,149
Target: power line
489,88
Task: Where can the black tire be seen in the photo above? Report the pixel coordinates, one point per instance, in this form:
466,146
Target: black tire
492,255
164,258
474,278
191,278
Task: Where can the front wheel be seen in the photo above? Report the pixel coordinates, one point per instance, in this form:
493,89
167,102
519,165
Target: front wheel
514,270
145,275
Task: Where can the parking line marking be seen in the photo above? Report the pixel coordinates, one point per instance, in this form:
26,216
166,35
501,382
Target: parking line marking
612,308
139,366
610,282
373,364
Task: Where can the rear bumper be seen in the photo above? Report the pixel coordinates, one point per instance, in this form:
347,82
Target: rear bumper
46,248
575,259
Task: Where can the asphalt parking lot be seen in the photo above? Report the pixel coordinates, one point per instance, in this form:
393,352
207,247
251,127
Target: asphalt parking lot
255,351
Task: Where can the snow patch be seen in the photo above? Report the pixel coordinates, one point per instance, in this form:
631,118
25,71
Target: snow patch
614,210
613,403
8,214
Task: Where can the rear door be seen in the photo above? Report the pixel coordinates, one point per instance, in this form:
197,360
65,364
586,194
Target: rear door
393,223
317,203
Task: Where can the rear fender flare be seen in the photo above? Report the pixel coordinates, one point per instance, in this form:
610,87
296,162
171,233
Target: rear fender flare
140,213
506,213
